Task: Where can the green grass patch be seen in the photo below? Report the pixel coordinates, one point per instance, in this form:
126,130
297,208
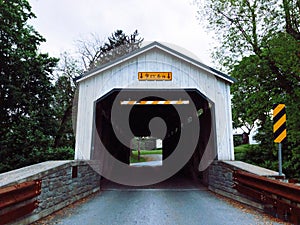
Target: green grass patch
239,151
148,152
134,155
241,148
134,159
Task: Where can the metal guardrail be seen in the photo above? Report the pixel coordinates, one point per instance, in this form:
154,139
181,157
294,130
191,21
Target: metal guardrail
18,200
280,199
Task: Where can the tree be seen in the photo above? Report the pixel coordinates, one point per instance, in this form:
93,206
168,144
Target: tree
260,47
95,52
68,69
291,15
26,92
36,107
248,75
244,26
92,52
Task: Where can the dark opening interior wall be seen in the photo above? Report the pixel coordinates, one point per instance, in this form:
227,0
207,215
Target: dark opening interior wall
109,131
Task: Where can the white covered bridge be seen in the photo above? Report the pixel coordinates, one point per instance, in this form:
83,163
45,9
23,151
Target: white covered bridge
158,90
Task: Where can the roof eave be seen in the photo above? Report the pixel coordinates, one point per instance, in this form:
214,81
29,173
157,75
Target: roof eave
114,62
139,51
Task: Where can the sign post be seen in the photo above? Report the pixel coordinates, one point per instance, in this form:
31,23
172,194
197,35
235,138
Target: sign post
279,130
280,159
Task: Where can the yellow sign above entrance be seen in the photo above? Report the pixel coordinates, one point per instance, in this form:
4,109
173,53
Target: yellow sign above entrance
154,76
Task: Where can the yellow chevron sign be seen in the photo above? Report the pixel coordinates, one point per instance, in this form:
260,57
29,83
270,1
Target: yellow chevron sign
154,76
279,123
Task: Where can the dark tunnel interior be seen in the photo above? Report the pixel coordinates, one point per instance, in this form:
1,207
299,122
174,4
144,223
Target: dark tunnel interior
140,116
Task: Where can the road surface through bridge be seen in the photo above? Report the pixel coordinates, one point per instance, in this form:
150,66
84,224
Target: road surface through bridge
186,205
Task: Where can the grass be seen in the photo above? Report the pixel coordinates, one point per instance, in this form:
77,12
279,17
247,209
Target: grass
240,150
134,156
147,152
134,159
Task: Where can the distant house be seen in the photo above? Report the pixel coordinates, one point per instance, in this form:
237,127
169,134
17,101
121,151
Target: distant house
238,135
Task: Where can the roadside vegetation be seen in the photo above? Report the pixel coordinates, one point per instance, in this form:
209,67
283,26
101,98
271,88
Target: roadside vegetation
259,45
240,151
37,91
252,154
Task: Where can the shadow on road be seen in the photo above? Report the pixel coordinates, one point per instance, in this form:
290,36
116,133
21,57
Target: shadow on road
178,182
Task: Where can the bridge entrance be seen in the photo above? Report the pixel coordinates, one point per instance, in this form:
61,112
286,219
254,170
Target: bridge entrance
142,112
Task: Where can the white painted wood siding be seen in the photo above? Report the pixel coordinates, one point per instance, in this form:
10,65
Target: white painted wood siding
125,75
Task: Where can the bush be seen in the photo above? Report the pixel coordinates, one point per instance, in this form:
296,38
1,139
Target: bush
237,140
240,151
61,153
36,156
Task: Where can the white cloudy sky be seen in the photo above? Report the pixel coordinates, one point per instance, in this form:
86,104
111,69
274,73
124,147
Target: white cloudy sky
62,22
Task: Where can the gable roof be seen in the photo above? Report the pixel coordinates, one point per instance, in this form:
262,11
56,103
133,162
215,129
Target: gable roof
177,53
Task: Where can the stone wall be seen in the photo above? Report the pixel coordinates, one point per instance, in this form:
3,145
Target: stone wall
63,182
220,179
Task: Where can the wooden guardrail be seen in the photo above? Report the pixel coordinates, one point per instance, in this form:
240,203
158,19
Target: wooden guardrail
280,199
18,200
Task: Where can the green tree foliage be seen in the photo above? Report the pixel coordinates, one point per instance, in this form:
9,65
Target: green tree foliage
36,107
260,46
28,125
65,87
243,26
118,44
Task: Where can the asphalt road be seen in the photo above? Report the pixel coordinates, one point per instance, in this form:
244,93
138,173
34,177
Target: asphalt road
156,207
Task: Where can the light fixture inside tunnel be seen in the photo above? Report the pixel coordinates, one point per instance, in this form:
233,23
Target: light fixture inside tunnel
200,112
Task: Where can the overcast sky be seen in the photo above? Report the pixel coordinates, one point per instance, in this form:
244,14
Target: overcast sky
62,22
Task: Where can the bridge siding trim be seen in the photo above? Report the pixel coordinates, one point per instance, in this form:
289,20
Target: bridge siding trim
125,75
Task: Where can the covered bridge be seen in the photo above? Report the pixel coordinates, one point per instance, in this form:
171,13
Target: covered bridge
159,90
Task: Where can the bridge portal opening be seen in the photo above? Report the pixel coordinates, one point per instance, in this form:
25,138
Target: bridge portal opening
144,112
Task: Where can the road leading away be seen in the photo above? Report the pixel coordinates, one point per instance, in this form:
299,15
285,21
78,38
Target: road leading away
156,207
